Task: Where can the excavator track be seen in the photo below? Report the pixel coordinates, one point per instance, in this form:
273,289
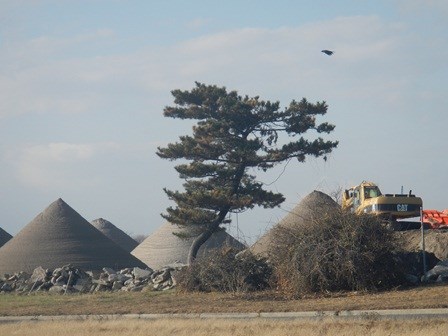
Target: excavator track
407,225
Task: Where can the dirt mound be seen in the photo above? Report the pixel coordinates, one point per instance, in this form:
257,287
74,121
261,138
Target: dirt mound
4,237
314,205
59,236
115,234
163,248
436,241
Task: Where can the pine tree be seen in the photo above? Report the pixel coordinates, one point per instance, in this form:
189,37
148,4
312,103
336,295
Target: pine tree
232,135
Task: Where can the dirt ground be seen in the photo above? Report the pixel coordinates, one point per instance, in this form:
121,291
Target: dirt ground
434,296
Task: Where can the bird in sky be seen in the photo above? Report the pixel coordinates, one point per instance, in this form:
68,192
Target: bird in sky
328,52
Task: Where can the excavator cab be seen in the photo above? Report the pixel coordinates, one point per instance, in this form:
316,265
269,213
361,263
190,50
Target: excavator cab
371,192
367,198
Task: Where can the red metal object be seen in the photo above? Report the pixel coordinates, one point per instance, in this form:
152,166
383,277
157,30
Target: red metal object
435,219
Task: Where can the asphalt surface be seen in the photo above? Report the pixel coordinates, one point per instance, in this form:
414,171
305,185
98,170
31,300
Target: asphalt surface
311,315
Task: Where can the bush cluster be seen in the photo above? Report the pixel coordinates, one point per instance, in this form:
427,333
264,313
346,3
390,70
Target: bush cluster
339,251
225,271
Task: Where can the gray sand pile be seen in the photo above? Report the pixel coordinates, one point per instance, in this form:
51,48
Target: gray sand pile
4,237
59,236
313,206
115,234
163,248
436,241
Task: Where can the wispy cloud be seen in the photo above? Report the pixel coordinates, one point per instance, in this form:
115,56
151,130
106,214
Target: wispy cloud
59,165
369,53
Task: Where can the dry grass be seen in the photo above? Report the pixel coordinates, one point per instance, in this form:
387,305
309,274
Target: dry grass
435,296
229,327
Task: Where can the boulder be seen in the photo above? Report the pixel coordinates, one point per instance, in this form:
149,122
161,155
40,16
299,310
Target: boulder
438,272
142,273
39,274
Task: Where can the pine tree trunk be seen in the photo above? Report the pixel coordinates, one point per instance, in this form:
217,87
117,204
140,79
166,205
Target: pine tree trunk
196,245
204,236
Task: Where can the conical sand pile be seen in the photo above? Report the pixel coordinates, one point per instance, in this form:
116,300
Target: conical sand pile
60,236
115,234
313,206
4,237
163,248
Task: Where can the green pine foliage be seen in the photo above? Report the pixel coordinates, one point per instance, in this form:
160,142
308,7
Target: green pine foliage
232,135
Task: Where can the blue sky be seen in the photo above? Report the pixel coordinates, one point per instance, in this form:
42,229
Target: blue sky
83,85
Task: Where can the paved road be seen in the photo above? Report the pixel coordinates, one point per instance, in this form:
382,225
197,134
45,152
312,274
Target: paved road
345,314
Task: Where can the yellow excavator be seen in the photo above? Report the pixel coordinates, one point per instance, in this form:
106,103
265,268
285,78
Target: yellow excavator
367,198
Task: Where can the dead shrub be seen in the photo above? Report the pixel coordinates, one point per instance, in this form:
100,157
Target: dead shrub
225,271
340,251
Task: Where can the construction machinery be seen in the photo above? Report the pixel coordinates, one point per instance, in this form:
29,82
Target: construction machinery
393,208
434,219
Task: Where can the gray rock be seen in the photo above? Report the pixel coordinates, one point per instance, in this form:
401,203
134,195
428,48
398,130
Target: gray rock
109,270
123,277
442,278
112,277
39,274
45,286
440,269
12,278
83,285
129,282
162,277
6,287
35,285
117,286
101,282
61,279
57,271
142,273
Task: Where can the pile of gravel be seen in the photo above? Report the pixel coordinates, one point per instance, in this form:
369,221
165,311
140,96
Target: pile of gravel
436,241
313,206
4,237
115,234
58,236
163,248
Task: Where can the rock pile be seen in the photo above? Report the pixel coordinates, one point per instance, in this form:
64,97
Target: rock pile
69,279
